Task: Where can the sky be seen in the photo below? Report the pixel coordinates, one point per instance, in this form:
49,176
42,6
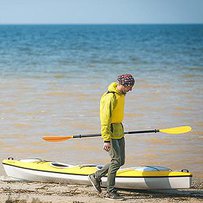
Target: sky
100,11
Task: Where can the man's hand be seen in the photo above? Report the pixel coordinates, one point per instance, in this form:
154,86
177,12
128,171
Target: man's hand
107,146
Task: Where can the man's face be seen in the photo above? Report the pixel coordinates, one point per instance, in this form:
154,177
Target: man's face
126,89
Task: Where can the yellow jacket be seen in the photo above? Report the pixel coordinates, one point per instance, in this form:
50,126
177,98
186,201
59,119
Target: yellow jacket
112,113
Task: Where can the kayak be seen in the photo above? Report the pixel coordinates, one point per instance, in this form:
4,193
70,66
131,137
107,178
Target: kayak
143,177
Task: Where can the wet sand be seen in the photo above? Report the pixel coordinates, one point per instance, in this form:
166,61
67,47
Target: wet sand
33,192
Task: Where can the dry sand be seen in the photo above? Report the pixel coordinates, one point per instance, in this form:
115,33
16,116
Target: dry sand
33,192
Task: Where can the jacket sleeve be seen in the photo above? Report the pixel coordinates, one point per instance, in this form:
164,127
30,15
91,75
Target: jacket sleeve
107,105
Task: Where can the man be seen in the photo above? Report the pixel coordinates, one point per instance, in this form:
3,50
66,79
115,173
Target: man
111,117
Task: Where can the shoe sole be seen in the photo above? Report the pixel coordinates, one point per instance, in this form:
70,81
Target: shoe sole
93,185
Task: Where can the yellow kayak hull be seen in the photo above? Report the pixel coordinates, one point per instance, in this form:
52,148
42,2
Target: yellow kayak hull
147,177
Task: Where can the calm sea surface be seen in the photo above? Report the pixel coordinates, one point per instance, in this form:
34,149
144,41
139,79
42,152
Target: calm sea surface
52,78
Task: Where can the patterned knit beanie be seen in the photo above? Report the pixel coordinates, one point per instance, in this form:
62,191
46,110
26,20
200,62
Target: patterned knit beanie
126,80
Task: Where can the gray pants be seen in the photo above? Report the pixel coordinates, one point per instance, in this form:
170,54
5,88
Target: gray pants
117,153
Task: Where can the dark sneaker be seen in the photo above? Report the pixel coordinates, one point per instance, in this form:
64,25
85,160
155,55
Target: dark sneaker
114,196
95,182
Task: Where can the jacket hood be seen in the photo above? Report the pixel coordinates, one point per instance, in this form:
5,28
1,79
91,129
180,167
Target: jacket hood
113,88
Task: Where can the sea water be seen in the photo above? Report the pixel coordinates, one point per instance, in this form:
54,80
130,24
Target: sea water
52,78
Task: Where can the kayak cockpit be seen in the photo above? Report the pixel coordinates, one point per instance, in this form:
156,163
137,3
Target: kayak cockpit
60,165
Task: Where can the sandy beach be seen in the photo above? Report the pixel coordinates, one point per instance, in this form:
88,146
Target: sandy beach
33,192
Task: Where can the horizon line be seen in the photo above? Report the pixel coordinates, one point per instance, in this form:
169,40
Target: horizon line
184,23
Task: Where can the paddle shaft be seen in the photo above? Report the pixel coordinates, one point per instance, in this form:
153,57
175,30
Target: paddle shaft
130,132
176,130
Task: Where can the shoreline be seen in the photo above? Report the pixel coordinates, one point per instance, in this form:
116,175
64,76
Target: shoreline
36,192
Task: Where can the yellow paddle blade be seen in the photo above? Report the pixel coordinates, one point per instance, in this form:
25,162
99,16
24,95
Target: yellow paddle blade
56,138
177,130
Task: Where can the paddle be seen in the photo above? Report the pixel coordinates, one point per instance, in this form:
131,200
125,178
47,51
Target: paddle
176,130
